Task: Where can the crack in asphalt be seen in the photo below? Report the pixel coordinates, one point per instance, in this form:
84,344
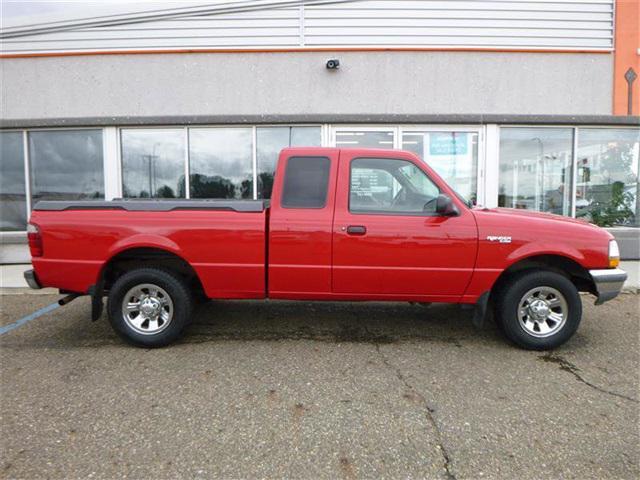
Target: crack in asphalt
573,369
429,413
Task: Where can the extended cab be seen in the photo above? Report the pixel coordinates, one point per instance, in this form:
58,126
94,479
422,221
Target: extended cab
342,224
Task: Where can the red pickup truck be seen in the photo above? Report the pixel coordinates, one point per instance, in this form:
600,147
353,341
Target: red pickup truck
342,224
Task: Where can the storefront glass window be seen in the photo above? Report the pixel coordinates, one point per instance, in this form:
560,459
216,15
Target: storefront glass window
270,140
66,165
221,162
153,163
535,169
454,155
13,205
607,177
364,138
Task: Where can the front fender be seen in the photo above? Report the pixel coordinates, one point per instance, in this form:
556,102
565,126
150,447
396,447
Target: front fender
534,249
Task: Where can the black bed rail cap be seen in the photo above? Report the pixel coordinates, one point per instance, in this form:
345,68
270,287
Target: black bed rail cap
152,205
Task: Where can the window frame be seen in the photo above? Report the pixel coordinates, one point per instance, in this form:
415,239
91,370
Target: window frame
389,213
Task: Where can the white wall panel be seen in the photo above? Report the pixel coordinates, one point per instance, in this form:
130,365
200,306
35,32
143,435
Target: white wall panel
475,24
532,24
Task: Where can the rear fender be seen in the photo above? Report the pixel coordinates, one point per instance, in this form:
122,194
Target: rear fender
137,241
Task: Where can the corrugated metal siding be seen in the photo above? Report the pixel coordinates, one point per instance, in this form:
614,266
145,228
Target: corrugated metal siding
564,24
533,24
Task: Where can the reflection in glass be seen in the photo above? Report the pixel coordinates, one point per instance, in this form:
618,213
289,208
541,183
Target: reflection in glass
535,169
364,138
153,163
453,155
607,178
13,205
221,162
270,140
66,165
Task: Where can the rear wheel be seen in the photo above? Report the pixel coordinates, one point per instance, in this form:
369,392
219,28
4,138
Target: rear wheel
539,310
149,307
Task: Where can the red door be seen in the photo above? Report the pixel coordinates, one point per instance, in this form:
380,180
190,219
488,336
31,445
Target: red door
388,241
300,224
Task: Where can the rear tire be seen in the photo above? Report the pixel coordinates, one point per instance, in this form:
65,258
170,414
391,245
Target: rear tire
149,307
538,310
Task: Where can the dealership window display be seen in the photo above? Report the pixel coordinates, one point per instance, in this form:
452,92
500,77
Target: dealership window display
607,189
452,154
536,169
66,165
589,172
13,201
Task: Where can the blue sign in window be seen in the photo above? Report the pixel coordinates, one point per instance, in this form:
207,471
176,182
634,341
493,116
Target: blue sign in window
448,143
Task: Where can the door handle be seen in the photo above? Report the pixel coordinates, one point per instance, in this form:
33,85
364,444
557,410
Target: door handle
356,230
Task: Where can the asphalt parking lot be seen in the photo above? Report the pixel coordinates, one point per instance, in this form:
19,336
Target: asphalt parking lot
300,390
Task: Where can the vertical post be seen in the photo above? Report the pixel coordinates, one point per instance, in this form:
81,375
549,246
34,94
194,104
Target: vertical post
325,141
574,171
27,171
630,76
254,159
187,180
491,165
397,141
112,185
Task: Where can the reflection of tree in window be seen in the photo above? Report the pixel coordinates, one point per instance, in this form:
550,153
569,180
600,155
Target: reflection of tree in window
204,186
607,177
153,163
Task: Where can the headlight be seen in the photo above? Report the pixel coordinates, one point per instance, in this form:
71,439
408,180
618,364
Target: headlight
614,254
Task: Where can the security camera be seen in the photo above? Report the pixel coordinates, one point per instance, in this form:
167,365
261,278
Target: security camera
333,64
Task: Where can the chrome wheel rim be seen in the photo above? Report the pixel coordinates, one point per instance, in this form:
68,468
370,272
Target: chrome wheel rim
147,309
542,312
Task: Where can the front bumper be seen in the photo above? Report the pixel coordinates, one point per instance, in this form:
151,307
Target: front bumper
32,280
608,283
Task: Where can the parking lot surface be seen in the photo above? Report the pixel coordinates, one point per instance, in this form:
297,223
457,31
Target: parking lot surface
325,390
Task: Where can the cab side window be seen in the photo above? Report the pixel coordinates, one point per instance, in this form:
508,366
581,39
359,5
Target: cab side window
306,182
389,186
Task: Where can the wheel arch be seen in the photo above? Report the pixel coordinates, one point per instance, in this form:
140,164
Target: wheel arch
564,265
139,256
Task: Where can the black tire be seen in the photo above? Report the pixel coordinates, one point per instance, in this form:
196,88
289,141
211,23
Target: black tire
516,289
181,303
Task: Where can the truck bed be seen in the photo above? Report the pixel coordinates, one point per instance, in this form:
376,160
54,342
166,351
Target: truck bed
222,240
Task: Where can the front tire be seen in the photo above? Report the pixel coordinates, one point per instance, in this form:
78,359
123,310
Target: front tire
538,310
149,307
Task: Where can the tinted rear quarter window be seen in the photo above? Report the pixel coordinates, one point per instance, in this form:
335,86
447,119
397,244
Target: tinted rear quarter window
306,182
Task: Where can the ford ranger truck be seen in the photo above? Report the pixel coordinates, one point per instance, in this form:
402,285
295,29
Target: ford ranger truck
342,225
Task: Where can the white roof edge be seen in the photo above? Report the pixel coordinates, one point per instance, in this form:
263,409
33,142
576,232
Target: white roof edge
19,29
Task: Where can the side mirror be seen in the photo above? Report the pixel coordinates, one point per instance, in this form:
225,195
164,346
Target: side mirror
445,206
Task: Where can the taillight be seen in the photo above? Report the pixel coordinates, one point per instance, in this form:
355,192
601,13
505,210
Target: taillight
35,240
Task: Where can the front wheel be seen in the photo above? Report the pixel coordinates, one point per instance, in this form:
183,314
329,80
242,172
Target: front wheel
149,307
539,310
